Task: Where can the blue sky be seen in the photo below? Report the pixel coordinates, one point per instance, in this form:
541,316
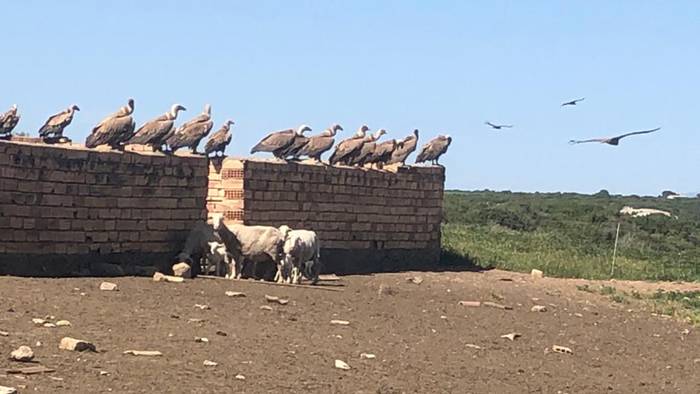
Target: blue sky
439,66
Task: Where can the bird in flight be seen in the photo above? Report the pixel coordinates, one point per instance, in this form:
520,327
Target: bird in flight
499,126
573,102
614,140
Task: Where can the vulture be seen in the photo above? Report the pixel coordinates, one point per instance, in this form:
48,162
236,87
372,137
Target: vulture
348,147
52,130
8,121
404,149
279,141
153,132
614,140
499,126
434,149
573,102
219,140
190,133
114,129
382,153
297,143
367,150
319,144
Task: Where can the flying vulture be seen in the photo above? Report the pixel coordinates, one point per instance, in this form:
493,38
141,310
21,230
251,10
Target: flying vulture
219,140
573,102
434,149
367,150
154,131
114,129
278,141
52,130
190,133
319,144
8,121
614,140
348,147
499,126
382,153
404,149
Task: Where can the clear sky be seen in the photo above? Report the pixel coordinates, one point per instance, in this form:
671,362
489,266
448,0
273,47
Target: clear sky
439,66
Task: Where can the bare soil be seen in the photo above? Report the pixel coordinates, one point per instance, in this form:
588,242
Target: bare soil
424,341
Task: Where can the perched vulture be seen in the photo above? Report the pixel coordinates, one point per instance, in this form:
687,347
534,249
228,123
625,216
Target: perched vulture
614,140
154,131
190,133
434,149
114,129
404,149
291,150
279,141
52,130
219,140
498,126
382,153
8,121
348,147
319,144
367,150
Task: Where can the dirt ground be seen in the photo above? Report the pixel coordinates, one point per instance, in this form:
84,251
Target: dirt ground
424,341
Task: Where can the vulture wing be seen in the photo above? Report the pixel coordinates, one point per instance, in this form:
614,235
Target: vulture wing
275,141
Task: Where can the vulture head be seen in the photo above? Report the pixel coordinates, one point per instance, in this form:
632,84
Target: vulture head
74,107
362,131
207,109
302,129
228,123
175,109
14,107
379,134
415,133
130,106
335,128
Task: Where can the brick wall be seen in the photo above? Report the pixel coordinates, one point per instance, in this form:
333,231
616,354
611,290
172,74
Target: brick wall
66,210
367,220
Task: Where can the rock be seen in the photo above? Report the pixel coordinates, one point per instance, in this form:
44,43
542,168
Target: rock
340,364
240,377
536,274
38,344
104,373
62,323
470,303
266,308
146,353
202,307
415,280
201,339
76,345
159,277
340,322
367,356
511,336
495,305
49,325
562,349
38,322
182,270
108,286
22,353
234,294
538,308
7,390
33,370
278,300
4,333
208,363
473,346
221,333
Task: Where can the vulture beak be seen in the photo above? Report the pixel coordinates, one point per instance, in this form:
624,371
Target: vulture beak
76,108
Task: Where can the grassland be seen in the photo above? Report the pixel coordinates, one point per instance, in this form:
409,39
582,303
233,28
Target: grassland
572,235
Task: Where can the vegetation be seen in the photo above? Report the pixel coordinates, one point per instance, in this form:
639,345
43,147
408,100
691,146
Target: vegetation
572,235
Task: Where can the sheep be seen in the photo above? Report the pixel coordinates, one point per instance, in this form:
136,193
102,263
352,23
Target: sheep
302,254
197,246
219,258
256,244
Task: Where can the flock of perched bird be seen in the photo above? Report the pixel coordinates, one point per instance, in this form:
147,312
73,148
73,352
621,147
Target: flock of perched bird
119,129
603,140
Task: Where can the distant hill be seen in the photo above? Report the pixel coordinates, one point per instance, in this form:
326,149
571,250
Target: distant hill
570,234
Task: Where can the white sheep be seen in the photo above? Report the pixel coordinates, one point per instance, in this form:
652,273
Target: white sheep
256,244
302,255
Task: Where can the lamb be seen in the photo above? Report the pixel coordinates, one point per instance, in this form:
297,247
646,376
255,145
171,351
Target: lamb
198,248
255,244
302,254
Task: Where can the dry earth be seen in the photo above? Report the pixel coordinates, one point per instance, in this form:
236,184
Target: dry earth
424,341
